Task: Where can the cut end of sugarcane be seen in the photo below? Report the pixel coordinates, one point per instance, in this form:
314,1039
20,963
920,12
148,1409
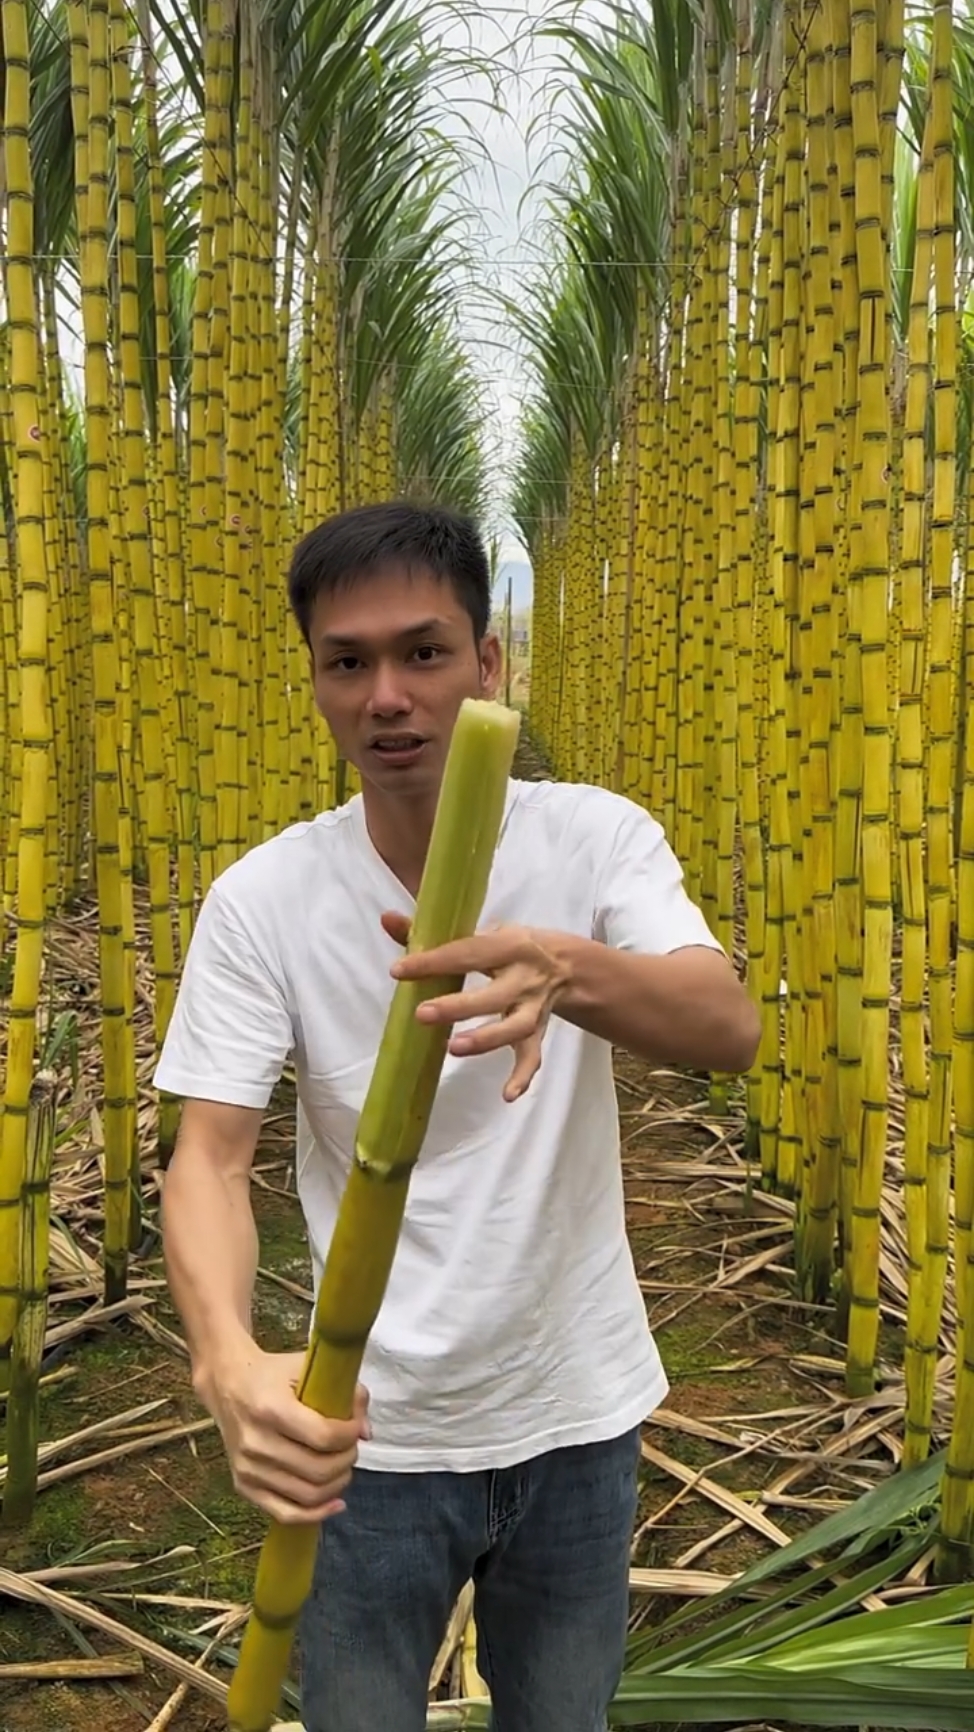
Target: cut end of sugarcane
492,711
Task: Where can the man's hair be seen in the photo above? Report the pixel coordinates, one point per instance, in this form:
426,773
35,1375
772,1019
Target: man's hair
357,544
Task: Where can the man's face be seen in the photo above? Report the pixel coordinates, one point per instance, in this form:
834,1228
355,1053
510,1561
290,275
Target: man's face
393,658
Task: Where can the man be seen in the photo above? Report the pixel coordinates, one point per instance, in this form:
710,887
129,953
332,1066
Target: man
511,1364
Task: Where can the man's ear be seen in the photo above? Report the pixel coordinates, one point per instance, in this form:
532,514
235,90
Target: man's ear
491,664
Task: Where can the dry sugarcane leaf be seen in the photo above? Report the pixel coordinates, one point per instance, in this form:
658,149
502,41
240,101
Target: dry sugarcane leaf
75,1666
37,1594
698,1481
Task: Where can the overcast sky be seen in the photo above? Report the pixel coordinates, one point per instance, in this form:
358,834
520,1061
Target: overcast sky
511,157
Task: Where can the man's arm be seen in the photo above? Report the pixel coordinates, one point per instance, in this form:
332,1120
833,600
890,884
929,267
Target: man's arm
684,1008
655,981
650,978
226,1043
284,1457
224,1049
211,1274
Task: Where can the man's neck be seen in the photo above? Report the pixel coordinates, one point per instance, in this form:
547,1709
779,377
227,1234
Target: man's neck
400,831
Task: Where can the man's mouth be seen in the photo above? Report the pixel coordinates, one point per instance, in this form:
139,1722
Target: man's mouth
397,748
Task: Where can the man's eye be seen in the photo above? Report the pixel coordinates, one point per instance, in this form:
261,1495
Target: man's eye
346,664
427,652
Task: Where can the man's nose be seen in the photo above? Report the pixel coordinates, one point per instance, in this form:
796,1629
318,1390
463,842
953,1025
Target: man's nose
389,696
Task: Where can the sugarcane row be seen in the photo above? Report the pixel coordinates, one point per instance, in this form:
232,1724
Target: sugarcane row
748,501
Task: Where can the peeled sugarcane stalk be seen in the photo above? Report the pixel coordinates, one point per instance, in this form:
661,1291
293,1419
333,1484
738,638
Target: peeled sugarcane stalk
471,1683
390,1136
20,1487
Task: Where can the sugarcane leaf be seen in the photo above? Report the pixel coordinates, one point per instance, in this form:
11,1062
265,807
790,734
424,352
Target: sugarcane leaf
883,1510
939,1699
725,1637
822,1607
926,1647
890,1628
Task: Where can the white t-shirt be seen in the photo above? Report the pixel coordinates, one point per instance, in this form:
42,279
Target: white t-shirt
513,1322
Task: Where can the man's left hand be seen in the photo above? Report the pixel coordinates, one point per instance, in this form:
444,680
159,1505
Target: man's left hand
525,983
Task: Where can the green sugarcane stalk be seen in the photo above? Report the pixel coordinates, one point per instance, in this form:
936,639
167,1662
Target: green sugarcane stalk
20,1486
390,1134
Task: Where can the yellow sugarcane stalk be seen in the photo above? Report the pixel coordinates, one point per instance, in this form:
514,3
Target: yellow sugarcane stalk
32,857
20,1486
390,1135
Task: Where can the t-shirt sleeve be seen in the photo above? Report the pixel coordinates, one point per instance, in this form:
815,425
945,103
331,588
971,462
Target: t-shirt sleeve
231,1028
641,903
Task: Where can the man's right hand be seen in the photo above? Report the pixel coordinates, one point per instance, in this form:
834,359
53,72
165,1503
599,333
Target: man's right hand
284,1457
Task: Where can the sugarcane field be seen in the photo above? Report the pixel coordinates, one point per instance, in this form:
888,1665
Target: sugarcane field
653,324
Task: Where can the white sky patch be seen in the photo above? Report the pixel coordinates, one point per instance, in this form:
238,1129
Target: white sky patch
503,206
517,160
513,114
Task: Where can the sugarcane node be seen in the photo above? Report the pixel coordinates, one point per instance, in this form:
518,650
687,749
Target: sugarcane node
380,1175
340,1337
276,1622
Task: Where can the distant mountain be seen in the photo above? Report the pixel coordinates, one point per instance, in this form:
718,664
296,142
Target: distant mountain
521,578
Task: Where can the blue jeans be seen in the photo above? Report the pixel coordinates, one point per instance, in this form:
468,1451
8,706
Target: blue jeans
547,1546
